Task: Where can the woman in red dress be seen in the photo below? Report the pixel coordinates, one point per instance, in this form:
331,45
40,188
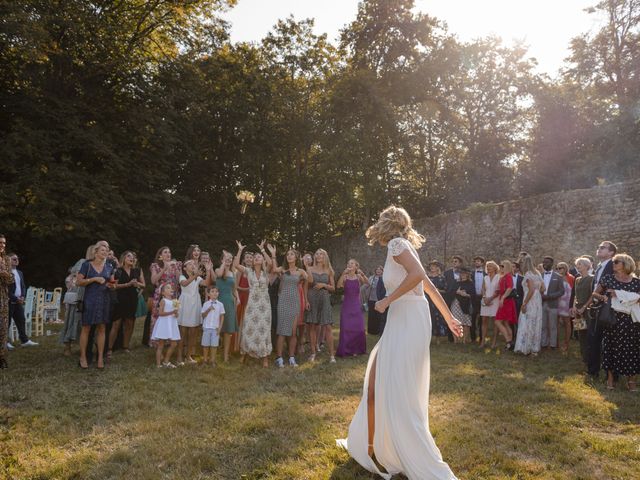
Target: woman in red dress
506,314
243,294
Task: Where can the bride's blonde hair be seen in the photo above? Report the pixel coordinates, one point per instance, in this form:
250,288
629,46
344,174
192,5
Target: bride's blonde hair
394,222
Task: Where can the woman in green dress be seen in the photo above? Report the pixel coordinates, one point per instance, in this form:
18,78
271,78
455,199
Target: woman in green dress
225,281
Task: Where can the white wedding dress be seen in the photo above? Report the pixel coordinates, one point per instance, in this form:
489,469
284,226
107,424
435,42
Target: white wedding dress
402,441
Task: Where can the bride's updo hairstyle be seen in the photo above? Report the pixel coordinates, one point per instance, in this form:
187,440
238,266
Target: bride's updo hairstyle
394,222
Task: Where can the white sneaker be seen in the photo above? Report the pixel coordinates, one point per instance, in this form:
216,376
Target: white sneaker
312,357
292,362
168,365
10,347
29,343
333,359
279,362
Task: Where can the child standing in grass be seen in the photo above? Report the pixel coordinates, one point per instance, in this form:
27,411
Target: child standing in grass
212,318
166,327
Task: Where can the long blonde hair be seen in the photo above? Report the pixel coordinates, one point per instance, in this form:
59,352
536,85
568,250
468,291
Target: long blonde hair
327,261
526,265
394,222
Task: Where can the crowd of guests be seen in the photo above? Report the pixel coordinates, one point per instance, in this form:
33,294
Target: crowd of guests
248,303
541,307
254,305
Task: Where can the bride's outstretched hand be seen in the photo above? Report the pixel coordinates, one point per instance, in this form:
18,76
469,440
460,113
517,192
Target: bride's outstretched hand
455,326
382,305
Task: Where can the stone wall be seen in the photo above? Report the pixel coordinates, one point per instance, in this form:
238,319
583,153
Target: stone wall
561,224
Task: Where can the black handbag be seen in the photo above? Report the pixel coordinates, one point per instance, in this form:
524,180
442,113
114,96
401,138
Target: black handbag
604,315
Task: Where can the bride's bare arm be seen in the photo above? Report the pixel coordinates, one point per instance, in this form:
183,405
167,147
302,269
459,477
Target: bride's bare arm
415,275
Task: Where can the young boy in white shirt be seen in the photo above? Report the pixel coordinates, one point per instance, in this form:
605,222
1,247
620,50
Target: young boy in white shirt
212,318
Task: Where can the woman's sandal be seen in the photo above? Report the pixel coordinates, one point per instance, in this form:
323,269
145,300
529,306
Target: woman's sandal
631,385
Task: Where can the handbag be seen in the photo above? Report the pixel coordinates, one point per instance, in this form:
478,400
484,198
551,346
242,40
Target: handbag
70,298
603,314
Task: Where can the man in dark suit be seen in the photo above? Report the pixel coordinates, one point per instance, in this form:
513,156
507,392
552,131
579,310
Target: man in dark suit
517,293
553,290
604,254
452,277
17,292
477,276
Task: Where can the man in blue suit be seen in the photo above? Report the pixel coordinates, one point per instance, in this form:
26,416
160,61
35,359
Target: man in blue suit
17,292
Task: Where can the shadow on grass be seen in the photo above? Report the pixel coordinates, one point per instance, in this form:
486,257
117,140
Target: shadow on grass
493,416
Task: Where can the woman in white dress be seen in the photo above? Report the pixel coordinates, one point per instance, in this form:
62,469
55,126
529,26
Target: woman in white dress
189,316
489,305
391,424
530,321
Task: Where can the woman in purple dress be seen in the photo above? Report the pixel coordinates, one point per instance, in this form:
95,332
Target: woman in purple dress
353,340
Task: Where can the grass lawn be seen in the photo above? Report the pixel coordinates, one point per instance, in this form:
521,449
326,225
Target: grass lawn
493,415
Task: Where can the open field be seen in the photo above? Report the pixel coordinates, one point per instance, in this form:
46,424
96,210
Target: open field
494,416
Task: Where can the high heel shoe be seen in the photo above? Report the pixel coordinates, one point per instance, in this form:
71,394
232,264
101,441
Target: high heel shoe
84,367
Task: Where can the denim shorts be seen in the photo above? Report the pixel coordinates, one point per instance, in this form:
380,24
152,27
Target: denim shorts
210,337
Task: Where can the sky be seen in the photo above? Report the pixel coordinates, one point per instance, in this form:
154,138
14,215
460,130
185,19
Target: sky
546,26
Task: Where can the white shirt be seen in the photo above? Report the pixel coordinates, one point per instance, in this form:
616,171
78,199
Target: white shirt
456,276
16,278
515,281
479,277
212,320
546,276
599,271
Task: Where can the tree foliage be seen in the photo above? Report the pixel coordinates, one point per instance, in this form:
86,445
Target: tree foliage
140,122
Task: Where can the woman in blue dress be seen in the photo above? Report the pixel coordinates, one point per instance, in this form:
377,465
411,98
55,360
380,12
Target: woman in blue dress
96,276
225,281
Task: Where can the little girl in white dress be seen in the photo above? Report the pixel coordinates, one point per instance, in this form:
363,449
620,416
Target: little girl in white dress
166,327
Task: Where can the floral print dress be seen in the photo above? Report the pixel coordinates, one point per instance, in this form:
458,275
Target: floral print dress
255,340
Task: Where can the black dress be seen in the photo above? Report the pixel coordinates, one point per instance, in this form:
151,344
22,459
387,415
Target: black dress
127,297
621,343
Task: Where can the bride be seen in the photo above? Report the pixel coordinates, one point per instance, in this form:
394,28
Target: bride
389,433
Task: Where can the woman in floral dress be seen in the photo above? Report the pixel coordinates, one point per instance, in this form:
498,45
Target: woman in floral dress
255,340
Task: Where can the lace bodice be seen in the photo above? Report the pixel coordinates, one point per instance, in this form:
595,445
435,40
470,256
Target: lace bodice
394,273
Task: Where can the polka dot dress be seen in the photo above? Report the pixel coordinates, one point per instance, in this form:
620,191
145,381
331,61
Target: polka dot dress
621,343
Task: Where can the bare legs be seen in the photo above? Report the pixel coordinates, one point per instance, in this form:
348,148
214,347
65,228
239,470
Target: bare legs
84,339
209,355
128,332
167,357
504,329
226,346
328,331
280,345
113,334
187,342
485,329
